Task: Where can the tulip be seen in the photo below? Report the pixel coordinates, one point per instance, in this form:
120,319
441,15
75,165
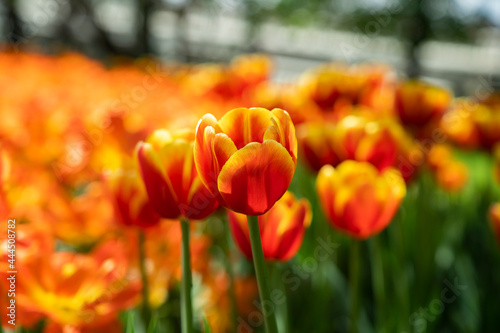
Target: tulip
357,200
452,175
360,202
175,190
317,144
282,228
132,207
458,123
333,84
246,159
472,123
439,155
417,103
78,292
170,177
362,139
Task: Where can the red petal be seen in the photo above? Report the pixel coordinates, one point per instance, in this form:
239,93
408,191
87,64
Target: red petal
255,177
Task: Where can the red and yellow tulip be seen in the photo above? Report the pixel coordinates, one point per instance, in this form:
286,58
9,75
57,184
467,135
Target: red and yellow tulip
417,103
357,199
246,159
167,168
282,228
130,200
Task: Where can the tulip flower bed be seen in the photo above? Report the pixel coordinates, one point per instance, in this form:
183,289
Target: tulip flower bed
152,197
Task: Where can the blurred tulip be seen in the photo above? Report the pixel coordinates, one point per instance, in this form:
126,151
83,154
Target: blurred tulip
251,69
85,219
317,144
246,159
130,199
417,103
357,200
168,171
361,139
471,123
336,84
452,175
458,123
438,156
282,228
83,291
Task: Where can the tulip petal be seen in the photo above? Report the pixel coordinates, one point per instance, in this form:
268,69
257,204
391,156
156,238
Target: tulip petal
326,191
200,202
281,120
176,158
255,177
291,239
160,191
361,212
245,125
203,156
223,147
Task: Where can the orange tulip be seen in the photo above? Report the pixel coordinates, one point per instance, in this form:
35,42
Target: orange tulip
246,159
459,125
79,291
169,174
452,175
357,199
282,228
317,144
336,84
417,103
439,155
129,198
362,139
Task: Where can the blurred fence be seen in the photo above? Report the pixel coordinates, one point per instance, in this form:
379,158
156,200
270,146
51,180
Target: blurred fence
201,33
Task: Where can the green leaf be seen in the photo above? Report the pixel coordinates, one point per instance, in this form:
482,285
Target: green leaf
153,323
207,326
130,322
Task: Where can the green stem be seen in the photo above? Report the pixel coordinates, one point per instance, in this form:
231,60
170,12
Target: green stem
354,283
282,310
378,282
260,271
146,311
186,306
